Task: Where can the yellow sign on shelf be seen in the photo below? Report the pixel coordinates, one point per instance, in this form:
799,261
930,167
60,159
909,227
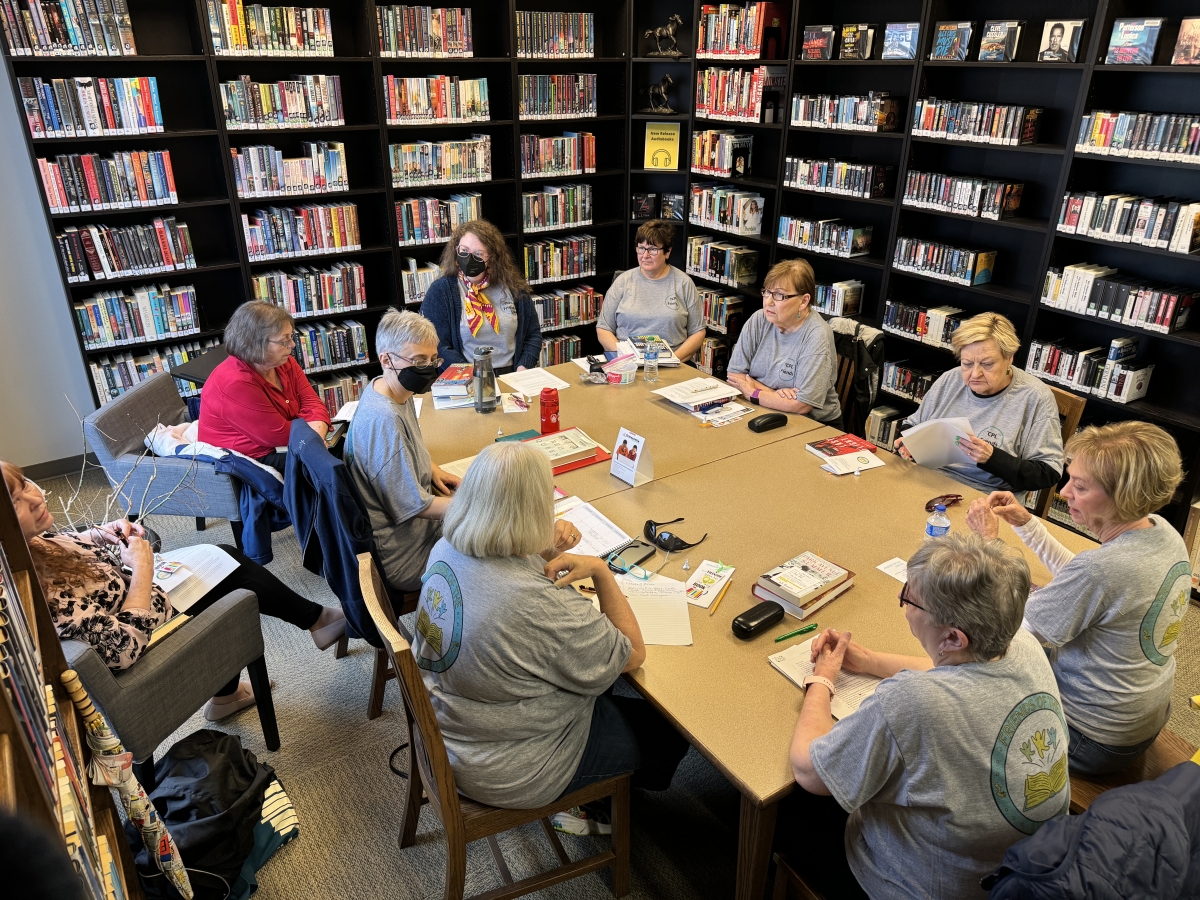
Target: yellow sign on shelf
662,145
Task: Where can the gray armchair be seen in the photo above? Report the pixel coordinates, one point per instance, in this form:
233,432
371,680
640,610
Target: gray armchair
148,701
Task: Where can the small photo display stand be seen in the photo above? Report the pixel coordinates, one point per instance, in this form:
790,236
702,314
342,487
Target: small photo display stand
631,460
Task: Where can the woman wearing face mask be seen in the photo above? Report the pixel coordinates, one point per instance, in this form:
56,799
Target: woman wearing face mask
482,300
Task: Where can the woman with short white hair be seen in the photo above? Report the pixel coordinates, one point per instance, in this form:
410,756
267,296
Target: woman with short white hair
1017,442
1111,616
517,663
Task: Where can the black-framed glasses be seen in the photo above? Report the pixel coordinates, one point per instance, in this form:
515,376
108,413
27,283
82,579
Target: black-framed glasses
668,540
904,599
777,296
420,360
645,250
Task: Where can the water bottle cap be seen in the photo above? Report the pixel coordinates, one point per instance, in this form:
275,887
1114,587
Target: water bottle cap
940,508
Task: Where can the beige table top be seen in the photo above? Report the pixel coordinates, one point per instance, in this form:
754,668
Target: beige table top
675,437
721,692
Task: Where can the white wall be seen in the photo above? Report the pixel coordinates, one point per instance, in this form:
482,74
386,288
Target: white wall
40,364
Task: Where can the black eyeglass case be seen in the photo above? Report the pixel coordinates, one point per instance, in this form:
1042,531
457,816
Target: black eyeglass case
757,619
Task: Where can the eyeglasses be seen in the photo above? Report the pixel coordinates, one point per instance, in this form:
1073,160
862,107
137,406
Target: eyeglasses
946,500
904,599
666,540
618,564
289,341
479,257
420,360
777,296
643,250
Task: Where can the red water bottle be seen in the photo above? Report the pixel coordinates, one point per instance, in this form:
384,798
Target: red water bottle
549,400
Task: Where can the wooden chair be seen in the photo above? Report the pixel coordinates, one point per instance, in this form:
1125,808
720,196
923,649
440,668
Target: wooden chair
1070,410
789,885
464,820
1165,753
382,671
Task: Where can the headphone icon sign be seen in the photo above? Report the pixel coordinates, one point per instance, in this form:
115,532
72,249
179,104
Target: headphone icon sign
661,158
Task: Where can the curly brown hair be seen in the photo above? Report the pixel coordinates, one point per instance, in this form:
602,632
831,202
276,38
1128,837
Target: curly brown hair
502,268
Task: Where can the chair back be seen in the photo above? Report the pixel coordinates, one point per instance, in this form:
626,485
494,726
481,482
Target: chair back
845,379
120,426
1070,411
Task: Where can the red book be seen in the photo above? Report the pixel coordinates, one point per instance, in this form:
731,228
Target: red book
840,445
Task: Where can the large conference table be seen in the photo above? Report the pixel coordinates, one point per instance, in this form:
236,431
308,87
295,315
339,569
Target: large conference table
763,499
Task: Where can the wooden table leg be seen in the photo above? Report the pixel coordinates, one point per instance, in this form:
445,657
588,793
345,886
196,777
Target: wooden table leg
756,829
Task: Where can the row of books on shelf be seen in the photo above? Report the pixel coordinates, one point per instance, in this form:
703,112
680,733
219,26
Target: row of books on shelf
872,111
116,373
1094,290
829,236
565,307
555,35
1000,40
1060,511
256,30
560,349
47,28
834,176
338,389
963,195
329,345
740,94
1162,223
101,252
902,379
573,256
842,298
83,182
281,232
312,292
883,426
722,152
726,208
933,326
655,206
90,106
720,261
301,101
945,262
423,32
977,122
857,41
722,311
152,312
556,206
416,277
1113,373
1140,135
574,153
421,163
713,357
735,32
431,220
260,170
435,99
557,96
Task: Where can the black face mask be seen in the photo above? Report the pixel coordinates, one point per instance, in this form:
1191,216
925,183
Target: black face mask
470,265
416,378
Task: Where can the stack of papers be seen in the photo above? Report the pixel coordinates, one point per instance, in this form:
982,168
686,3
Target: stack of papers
531,381
852,463
852,689
697,392
933,444
666,356
661,608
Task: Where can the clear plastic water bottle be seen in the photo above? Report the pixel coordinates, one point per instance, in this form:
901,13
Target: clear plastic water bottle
938,524
651,357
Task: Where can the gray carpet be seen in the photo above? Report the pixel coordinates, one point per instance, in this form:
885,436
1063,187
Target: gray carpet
334,765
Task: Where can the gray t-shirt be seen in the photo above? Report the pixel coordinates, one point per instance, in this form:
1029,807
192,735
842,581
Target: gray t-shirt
1021,420
391,467
667,307
513,665
805,359
1114,614
942,771
504,342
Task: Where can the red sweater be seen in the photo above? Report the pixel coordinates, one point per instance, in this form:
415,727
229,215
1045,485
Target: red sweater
240,410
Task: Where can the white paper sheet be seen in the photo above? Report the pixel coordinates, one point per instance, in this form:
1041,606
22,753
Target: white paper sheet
452,403
695,391
932,444
209,565
531,381
346,413
896,567
459,466
600,536
851,689
665,360
417,401
852,463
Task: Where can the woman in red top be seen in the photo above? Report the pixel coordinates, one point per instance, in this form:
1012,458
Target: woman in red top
251,399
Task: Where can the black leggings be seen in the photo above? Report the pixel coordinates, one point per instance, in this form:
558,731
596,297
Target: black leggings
275,599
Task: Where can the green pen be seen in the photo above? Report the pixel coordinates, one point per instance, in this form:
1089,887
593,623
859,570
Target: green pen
791,634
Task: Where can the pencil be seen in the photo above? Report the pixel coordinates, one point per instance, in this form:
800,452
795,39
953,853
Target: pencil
717,602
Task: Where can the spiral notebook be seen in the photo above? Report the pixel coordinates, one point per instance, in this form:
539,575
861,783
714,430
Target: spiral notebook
601,536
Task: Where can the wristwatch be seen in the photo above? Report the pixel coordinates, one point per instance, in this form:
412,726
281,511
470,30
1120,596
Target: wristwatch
754,395
818,679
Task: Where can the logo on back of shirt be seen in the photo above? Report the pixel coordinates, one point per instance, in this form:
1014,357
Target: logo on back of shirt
439,619
992,435
787,370
1029,763
1164,619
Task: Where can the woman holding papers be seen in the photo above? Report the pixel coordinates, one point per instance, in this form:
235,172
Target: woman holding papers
519,665
100,589
955,756
481,300
785,358
1111,615
1017,442
655,298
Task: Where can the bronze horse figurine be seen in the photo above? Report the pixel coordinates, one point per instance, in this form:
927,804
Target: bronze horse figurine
668,31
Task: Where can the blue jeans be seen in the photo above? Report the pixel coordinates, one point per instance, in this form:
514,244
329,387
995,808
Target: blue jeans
629,735
1088,757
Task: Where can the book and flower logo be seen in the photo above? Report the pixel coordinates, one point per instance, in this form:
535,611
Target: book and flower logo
439,619
1164,619
1029,763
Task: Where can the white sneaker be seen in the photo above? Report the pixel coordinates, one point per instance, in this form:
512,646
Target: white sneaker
578,820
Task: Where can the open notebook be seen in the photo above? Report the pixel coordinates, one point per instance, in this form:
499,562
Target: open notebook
601,536
851,689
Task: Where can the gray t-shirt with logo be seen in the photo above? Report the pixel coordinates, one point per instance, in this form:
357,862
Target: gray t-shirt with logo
504,342
942,771
1114,615
805,359
1021,420
667,307
513,665
391,467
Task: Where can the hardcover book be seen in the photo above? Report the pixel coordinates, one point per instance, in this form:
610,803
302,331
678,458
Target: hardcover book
951,41
1060,40
818,42
857,41
840,445
673,206
1132,42
1187,46
644,206
900,40
999,41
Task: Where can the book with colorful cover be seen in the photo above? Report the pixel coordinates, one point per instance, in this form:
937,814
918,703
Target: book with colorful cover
1060,40
900,40
999,41
804,584
840,445
1187,45
951,40
1132,42
818,42
857,41
455,381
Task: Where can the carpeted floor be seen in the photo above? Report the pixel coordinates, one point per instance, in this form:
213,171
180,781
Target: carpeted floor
334,765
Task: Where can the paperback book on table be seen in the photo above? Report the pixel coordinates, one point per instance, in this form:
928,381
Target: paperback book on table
804,584
840,445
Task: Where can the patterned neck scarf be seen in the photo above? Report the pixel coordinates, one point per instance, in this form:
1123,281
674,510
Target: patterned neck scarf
478,307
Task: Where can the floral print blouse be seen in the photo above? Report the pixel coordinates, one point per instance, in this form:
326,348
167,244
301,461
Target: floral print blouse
93,613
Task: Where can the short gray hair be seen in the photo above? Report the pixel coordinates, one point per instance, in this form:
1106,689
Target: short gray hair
976,585
252,327
398,328
505,504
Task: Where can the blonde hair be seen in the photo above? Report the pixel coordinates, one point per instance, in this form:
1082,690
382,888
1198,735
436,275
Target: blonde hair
1137,464
398,328
501,268
981,328
794,272
252,327
505,504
